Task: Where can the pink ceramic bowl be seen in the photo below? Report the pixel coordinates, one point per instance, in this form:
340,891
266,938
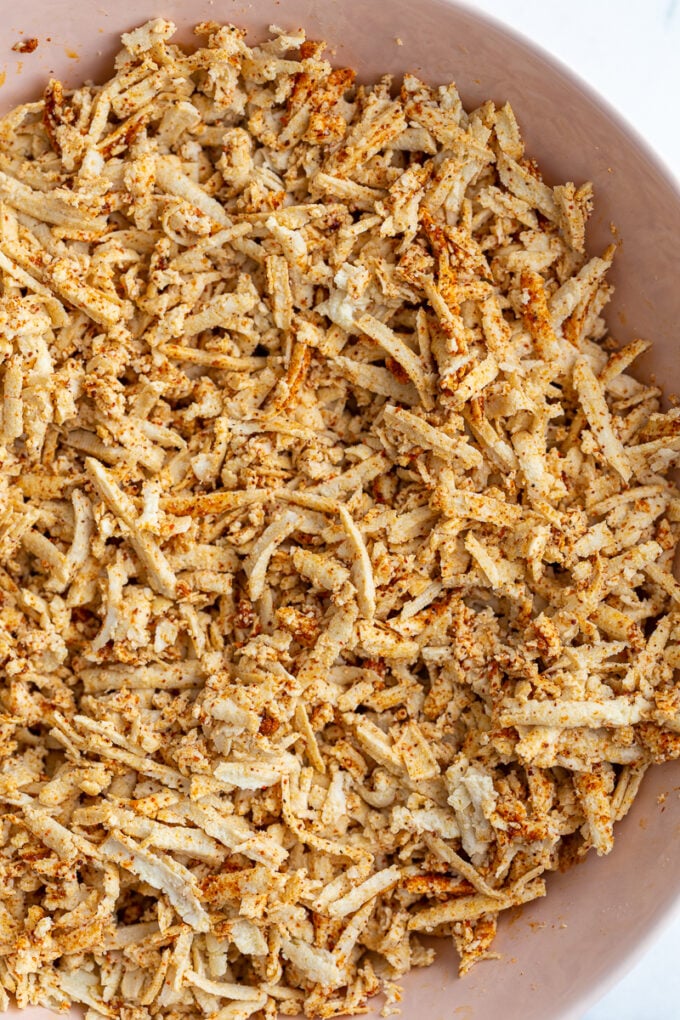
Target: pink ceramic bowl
560,954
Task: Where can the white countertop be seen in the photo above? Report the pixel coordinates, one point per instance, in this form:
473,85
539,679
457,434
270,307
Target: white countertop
629,51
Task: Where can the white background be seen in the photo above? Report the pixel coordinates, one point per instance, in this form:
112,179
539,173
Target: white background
629,51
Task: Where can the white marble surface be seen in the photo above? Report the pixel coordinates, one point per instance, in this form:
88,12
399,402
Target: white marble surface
629,51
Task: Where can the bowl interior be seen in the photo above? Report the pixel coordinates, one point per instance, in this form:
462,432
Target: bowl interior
561,953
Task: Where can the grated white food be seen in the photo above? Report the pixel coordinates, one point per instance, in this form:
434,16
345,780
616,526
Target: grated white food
336,540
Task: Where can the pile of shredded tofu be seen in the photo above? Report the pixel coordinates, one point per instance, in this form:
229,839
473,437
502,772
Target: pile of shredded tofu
336,540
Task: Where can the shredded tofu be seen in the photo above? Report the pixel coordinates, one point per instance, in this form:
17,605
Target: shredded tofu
336,539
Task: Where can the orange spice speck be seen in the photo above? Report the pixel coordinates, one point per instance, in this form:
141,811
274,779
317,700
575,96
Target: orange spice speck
25,45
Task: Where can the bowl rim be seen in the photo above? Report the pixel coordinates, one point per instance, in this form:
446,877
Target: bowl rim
635,955
669,911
